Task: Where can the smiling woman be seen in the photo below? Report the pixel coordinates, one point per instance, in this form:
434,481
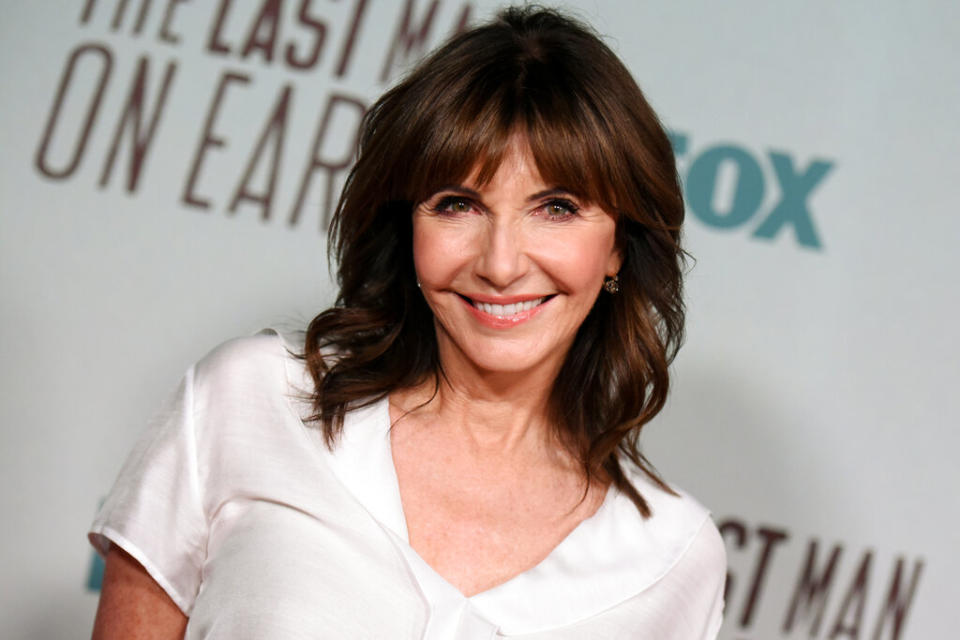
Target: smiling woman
539,93
515,254
454,451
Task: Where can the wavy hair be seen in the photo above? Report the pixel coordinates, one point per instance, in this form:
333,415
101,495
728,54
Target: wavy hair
551,79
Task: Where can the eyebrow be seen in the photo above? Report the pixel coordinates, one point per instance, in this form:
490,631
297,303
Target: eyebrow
458,189
539,195
546,193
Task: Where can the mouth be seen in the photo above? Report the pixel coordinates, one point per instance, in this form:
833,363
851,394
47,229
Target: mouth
507,310
512,312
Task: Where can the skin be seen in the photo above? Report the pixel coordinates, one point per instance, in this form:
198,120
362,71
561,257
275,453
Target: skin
487,490
133,606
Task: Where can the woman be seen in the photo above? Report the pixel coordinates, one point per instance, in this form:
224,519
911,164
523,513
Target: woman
455,453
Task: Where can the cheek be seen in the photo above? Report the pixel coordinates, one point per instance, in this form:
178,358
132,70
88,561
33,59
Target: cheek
438,252
579,262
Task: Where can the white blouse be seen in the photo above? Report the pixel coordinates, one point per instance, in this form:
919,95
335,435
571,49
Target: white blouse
256,530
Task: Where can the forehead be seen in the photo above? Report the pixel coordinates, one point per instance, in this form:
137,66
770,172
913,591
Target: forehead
514,166
467,138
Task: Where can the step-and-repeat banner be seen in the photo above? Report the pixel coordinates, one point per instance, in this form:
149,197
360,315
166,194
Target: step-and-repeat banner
167,170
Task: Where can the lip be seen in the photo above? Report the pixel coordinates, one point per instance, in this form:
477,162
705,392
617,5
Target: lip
504,322
503,299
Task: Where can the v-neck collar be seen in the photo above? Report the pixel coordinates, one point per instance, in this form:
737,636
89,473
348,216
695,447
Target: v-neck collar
363,461
608,558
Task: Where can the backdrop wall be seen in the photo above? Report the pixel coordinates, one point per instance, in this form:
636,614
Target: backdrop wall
167,168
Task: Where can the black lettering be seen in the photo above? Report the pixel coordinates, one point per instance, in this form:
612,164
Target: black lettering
347,51
318,29
121,11
331,166
771,537
464,21
273,135
215,43
132,118
812,589
40,159
854,601
87,12
408,40
897,605
264,31
165,34
207,140
738,530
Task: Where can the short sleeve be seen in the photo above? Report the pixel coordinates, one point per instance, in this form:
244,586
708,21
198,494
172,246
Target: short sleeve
710,553
155,510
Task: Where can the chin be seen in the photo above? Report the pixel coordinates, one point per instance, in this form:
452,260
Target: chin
496,356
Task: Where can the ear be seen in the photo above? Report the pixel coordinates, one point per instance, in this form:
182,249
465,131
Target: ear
615,261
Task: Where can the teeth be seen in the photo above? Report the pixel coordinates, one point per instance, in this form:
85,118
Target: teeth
507,310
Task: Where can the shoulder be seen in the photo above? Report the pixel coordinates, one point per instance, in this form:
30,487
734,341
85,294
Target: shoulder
693,572
245,354
679,529
677,556
671,511
264,361
707,554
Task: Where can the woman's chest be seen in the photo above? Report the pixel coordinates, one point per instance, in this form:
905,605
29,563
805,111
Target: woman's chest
280,572
478,532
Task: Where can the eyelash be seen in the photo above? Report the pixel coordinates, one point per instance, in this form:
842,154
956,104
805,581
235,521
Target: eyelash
571,208
443,206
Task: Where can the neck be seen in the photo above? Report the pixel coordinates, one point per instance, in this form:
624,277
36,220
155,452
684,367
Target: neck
492,413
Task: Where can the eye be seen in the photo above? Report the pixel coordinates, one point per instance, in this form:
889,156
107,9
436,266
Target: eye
560,208
454,205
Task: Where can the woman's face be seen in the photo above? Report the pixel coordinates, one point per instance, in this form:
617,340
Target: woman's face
510,269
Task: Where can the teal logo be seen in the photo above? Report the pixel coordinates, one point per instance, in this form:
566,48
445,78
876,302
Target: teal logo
95,572
793,181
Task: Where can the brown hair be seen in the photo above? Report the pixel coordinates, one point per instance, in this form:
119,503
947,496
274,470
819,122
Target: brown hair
548,77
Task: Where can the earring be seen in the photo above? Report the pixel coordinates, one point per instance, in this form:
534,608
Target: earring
612,285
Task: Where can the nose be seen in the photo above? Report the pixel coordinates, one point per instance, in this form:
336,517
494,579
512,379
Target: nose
502,259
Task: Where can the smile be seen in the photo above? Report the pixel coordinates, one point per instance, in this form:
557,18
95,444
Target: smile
506,310
505,315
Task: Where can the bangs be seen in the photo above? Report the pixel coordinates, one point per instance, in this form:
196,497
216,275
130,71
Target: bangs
474,120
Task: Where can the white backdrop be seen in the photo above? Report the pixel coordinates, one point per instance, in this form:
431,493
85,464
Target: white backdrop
813,409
